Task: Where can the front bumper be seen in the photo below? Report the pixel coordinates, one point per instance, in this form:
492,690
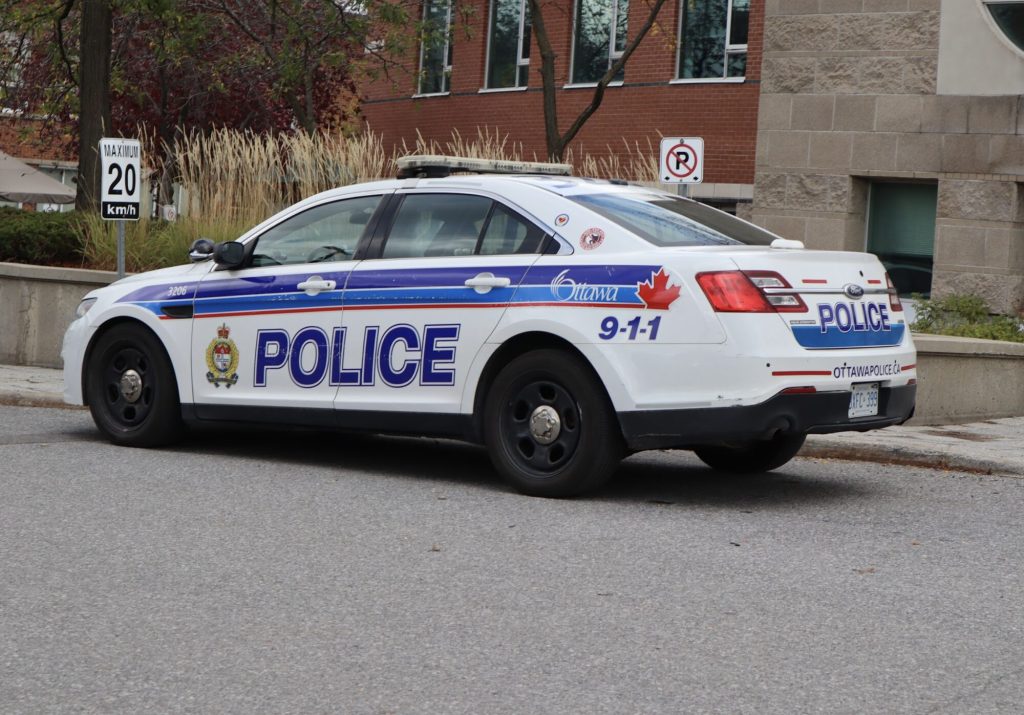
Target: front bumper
817,413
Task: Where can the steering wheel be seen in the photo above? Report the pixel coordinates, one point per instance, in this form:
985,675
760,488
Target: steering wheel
326,253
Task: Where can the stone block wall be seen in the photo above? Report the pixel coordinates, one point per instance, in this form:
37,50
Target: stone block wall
849,97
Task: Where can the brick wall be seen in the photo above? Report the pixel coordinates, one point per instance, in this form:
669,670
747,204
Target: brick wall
646,107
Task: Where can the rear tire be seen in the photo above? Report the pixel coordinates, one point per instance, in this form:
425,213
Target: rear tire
752,457
549,426
131,389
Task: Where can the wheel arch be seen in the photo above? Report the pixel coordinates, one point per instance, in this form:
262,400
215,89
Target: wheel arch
511,349
105,328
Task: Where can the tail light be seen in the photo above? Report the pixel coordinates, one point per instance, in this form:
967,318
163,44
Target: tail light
750,292
894,297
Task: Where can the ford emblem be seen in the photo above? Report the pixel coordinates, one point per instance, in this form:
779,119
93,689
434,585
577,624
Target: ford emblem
853,290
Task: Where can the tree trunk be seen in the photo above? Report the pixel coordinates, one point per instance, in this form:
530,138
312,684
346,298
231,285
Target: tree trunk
94,98
547,72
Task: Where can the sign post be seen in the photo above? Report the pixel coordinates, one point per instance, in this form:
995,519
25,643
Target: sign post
681,162
121,186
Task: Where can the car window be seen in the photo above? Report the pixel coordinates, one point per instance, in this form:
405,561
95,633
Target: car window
507,233
437,225
328,232
669,221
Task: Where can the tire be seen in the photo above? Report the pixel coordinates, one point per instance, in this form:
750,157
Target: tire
131,389
752,457
576,453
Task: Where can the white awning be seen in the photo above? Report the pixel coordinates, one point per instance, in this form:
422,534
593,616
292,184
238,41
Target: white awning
21,183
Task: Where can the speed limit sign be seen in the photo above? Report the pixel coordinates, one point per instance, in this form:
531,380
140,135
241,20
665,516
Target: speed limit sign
121,179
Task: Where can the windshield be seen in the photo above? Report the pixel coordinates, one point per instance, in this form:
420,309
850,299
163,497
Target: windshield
670,221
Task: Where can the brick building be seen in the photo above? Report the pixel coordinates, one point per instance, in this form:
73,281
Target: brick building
696,73
897,126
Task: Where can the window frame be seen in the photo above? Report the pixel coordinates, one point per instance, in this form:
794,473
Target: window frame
520,60
446,66
382,232
728,49
986,11
613,54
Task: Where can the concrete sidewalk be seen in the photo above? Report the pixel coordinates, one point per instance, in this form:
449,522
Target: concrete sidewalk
990,447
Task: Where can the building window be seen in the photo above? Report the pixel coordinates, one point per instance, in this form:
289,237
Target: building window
508,55
901,232
713,39
436,47
1009,17
599,38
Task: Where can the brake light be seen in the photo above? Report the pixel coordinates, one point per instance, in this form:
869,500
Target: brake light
750,292
894,297
733,292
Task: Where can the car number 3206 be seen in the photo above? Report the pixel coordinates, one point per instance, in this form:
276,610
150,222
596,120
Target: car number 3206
864,400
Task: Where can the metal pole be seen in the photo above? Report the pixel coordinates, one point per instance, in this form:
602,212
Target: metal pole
120,249
683,190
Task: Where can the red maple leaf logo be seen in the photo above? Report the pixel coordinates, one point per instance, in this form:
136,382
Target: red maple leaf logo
656,293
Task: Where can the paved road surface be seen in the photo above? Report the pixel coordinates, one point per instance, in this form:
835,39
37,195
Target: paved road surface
316,573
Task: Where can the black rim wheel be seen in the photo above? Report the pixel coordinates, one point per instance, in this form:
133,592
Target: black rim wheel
540,427
128,387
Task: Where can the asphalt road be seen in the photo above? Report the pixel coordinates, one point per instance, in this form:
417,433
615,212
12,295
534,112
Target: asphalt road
326,573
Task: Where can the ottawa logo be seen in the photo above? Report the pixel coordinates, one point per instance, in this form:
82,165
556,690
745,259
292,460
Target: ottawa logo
222,359
656,293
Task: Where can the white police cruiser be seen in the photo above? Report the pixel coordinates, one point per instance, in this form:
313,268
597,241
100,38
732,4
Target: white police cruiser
563,322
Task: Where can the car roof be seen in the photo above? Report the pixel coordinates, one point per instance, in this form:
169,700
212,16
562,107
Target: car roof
560,185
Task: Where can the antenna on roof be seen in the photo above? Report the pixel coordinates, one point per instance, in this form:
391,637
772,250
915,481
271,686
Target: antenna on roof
436,166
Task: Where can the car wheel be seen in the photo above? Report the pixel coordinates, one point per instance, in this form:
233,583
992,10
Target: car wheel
750,457
549,426
131,389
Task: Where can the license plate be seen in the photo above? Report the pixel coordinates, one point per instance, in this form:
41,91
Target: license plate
864,400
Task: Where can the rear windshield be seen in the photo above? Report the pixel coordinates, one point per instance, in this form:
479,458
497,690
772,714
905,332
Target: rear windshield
670,221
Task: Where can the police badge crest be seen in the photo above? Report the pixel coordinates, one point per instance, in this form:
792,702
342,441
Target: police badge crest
222,359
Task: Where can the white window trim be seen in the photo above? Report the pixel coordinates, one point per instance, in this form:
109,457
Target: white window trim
446,69
520,62
591,85
729,49
497,90
709,80
991,21
430,94
612,54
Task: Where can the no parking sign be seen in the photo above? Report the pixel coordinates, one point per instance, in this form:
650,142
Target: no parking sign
682,160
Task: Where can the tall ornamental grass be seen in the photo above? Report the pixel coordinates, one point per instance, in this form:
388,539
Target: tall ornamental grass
232,180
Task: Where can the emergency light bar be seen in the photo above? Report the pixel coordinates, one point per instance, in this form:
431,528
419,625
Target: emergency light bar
438,166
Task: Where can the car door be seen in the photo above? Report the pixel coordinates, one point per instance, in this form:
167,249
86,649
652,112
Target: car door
421,305
263,334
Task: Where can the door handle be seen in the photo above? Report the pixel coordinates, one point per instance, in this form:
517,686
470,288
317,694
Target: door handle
315,284
483,282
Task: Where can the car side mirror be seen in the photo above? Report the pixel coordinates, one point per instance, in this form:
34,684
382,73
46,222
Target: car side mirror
229,254
201,250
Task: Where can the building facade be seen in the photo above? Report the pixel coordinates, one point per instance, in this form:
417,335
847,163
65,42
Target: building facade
696,73
897,126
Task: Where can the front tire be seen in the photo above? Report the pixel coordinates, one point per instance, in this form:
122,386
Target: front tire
751,457
131,389
549,426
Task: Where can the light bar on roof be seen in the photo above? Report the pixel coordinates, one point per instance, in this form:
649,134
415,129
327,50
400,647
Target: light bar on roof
437,165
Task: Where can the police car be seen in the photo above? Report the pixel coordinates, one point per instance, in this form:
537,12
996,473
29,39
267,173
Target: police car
562,322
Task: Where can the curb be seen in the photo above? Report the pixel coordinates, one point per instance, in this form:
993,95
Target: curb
909,458
21,398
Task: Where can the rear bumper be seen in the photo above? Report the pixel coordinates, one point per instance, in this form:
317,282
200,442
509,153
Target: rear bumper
818,413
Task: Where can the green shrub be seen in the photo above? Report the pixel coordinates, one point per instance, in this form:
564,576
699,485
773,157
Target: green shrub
965,316
44,238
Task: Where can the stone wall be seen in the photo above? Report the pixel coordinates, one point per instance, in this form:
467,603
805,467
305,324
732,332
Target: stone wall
848,97
37,303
